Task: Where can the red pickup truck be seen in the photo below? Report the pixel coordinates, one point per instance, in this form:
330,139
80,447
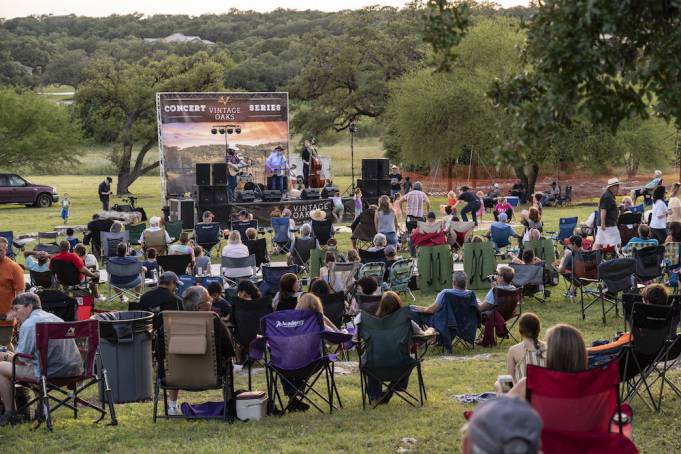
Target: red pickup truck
17,190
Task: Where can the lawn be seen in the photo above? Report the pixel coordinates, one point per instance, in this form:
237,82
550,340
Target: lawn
435,426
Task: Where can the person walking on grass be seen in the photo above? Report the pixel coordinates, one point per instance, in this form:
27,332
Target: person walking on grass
65,203
104,192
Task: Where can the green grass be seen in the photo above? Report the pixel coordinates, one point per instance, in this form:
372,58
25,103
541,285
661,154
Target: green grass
435,426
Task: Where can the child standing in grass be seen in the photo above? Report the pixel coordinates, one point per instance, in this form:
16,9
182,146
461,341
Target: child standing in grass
65,203
358,202
397,207
338,208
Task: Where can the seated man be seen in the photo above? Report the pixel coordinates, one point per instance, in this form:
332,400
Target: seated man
37,261
305,236
503,281
552,195
67,256
643,233
332,245
574,243
128,281
518,190
164,297
390,258
636,193
63,356
423,316
154,227
501,229
492,196
195,299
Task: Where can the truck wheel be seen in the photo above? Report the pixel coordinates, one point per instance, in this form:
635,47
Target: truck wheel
44,201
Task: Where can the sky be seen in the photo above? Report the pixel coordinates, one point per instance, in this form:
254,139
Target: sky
21,8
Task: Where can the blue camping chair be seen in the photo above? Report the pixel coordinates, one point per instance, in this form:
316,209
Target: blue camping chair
207,235
187,281
566,200
637,209
566,227
242,226
500,237
271,276
280,231
9,235
207,280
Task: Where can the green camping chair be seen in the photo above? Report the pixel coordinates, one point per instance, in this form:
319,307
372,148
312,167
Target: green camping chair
174,229
400,274
542,248
479,262
435,265
385,355
317,257
134,234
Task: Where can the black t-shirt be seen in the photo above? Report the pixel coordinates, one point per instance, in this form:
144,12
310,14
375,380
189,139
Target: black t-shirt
161,299
468,197
609,203
103,187
306,157
407,186
518,187
395,181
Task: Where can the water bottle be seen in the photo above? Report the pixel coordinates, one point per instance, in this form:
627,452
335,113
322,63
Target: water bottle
155,275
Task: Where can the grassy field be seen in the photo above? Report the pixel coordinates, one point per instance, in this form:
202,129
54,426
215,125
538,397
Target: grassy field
435,426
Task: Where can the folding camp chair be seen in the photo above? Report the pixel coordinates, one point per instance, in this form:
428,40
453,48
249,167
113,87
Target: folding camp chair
400,274
435,265
566,228
334,307
96,227
245,322
281,240
542,248
649,263
67,276
509,307
301,252
78,338
634,246
298,368
457,320
479,262
271,275
174,230
371,256
318,260
386,356
208,235
577,409
241,262
530,277
460,232
242,226
258,248
375,269
566,200
648,345
342,276
59,304
50,247
177,263
363,235
110,242
500,238
323,230
194,354
187,281
208,279
135,234
156,240
42,279
428,234
628,225
585,271
118,269
614,276
368,303
11,244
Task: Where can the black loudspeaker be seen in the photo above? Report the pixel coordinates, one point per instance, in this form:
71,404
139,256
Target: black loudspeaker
219,173
182,209
269,195
329,191
309,194
244,195
203,174
375,168
374,188
210,194
220,195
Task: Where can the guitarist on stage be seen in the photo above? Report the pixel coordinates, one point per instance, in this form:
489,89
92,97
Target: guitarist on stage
275,165
233,162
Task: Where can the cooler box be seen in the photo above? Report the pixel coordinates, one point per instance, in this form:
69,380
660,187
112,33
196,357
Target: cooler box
251,405
513,201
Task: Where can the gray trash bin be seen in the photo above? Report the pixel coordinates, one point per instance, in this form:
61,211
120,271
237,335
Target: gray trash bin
125,343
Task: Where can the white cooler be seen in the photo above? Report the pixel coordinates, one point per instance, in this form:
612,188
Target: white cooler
251,405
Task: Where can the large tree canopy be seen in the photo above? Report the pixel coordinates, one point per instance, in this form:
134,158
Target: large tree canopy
34,131
124,94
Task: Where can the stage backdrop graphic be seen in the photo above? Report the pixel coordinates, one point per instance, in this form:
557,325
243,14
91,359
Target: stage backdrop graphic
185,121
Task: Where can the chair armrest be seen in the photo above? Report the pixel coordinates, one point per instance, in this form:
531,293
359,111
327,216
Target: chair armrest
584,279
336,338
21,355
257,348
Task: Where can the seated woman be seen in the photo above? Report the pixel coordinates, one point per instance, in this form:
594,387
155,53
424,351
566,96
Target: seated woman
91,263
150,262
201,263
131,281
324,271
366,285
674,232
183,247
288,294
320,287
390,302
379,243
565,352
530,350
235,249
503,207
626,205
251,243
533,222
245,291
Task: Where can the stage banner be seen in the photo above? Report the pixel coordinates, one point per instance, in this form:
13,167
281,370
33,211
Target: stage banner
300,210
186,122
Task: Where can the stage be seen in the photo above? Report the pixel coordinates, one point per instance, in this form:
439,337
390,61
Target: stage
264,211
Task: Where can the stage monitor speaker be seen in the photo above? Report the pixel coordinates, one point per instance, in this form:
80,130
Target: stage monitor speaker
244,195
203,174
329,191
219,173
270,195
310,194
374,188
375,168
183,209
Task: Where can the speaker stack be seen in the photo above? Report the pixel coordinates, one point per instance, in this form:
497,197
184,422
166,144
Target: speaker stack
182,210
375,182
211,184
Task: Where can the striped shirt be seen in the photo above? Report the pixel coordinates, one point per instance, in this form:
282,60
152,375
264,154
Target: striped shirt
415,201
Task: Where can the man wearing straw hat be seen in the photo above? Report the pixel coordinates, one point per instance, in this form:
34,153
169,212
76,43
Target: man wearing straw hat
608,214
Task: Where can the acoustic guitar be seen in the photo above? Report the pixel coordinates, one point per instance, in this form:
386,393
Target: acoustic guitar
234,169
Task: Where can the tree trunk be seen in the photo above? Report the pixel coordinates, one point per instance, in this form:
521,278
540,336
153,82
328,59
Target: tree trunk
528,179
125,179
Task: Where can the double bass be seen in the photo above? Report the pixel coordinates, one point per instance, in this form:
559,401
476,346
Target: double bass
316,178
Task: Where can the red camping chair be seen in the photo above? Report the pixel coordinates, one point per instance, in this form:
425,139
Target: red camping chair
577,409
86,336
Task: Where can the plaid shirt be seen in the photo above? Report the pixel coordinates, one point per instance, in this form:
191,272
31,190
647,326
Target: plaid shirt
415,201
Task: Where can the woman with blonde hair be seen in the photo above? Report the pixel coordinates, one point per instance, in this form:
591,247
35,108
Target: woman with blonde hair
311,302
236,249
530,350
674,203
627,203
385,220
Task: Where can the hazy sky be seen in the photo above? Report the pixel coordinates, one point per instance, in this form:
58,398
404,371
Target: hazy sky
19,8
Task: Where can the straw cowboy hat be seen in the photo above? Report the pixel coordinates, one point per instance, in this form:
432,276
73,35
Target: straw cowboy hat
613,182
317,215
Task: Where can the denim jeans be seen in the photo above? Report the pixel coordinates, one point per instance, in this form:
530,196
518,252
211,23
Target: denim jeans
231,187
391,238
421,318
473,207
278,183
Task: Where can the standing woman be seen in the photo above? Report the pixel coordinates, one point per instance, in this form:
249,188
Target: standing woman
306,155
674,203
473,204
658,220
385,220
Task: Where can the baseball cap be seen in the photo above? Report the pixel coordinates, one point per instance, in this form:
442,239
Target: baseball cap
431,215
394,166
390,251
496,185
243,213
109,179
168,277
505,424
574,239
286,212
208,214
503,217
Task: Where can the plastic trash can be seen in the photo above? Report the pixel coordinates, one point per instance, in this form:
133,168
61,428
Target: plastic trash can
125,343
